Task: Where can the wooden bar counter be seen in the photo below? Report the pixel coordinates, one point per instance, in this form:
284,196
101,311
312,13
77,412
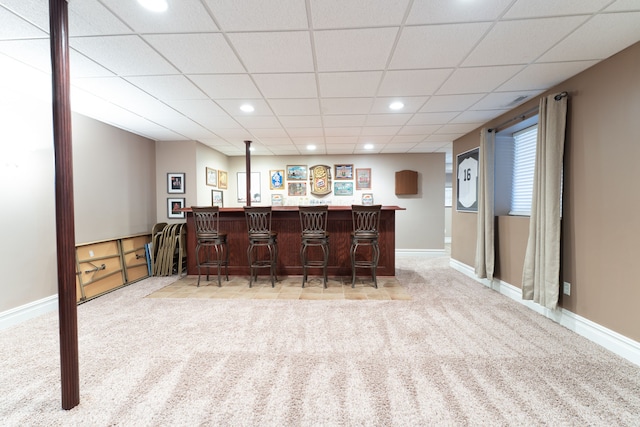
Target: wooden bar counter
286,222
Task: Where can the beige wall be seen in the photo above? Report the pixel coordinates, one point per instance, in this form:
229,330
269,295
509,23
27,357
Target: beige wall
113,172
601,200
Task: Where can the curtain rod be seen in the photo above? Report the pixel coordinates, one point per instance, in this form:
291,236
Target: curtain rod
527,114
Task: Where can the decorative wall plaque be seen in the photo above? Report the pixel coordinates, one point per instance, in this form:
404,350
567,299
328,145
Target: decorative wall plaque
320,176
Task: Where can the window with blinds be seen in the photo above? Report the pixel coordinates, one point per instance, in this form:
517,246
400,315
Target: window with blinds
523,167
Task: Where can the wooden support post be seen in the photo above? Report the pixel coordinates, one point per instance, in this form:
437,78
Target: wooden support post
247,155
65,228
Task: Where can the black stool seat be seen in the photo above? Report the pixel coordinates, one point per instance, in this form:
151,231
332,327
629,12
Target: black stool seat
313,221
366,223
261,236
210,242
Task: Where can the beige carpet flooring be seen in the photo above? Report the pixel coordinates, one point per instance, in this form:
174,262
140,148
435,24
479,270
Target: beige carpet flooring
455,354
290,287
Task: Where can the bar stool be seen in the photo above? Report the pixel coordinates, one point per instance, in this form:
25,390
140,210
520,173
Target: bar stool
313,221
260,236
366,223
210,239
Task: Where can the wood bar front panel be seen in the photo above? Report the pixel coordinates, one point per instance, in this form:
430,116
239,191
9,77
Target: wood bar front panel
286,223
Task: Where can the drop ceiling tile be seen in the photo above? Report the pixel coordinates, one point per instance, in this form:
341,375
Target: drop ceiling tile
306,132
226,86
357,13
344,120
168,87
287,85
431,118
31,52
354,50
376,140
306,140
413,82
349,131
90,18
397,147
182,16
396,119
346,105
358,84
478,117
15,27
504,43
503,100
116,52
285,151
411,104
200,108
407,139
443,11
381,131
441,141
185,51
232,107
257,122
341,147
594,40
295,107
478,79
259,15
235,135
462,128
278,132
301,121
351,140
441,46
270,142
538,8
274,52
450,102
418,130
624,5
543,76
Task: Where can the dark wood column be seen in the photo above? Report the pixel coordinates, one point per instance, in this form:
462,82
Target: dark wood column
65,229
247,156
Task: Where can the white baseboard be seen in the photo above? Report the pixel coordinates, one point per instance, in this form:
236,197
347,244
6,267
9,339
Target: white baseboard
28,311
611,340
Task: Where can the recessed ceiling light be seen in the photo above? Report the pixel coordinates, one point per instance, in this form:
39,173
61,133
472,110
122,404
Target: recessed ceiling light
368,146
397,105
311,147
247,108
154,5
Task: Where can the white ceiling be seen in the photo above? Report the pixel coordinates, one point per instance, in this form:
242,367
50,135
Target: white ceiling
318,72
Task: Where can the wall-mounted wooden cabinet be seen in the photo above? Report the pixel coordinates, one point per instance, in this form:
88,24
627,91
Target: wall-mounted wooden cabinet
406,182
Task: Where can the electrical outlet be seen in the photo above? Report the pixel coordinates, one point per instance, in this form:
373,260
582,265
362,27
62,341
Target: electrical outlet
90,254
566,288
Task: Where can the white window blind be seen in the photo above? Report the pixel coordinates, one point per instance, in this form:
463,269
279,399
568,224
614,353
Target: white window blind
523,167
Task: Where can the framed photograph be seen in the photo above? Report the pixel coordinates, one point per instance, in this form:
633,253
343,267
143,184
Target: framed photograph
217,198
320,177
175,183
343,188
173,206
467,182
255,189
277,200
276,179
212,177
343,172
363,179
297,188
296,172
367,199
222,179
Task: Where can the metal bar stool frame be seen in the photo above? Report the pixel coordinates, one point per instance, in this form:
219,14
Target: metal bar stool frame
366,226
210,239
260,235
313,222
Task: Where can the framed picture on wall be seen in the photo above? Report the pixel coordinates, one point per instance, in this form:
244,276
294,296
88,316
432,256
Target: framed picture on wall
343,188
296,172
222,179
212,177
343,172
467,181
363,179
276,179
217,198
173,206
175,182
297,189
